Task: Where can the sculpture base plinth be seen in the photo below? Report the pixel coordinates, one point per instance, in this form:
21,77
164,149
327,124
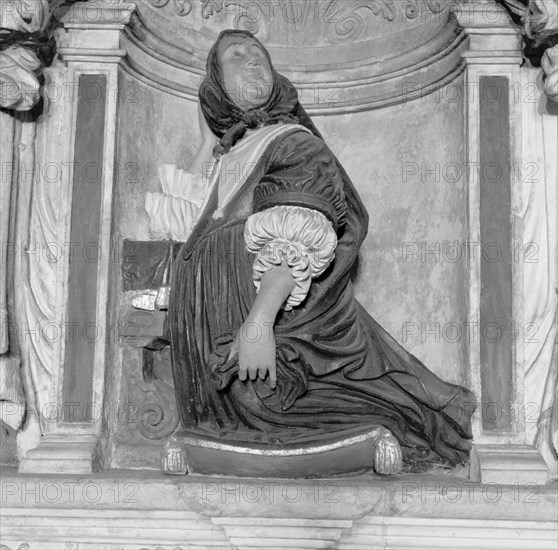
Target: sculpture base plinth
62,454
133,510
508,464
195,453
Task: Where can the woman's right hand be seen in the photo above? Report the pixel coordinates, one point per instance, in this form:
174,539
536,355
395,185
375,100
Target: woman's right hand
257,350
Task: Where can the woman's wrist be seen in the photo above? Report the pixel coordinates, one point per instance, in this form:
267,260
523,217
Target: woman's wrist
262,315
275,287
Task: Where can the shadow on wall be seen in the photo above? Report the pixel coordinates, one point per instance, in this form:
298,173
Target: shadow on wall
8,451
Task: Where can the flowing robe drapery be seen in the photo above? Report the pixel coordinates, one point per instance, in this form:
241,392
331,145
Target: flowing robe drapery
337,369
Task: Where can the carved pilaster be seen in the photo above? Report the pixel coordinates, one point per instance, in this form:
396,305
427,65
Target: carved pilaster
89,48
494,148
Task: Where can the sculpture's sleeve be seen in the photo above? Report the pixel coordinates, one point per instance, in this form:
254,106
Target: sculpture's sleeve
299,206
174,210
302,237
303,172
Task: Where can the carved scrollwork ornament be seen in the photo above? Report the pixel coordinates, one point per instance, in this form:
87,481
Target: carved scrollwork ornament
182,7
156,421
245,19
157,418
210,7
179,7
411,9
349,23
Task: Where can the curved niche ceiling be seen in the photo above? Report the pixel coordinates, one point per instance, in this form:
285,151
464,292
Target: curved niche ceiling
343,55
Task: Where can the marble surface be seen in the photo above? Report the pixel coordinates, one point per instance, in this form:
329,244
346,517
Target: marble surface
133,511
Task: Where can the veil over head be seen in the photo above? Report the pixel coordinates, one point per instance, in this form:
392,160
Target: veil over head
229,121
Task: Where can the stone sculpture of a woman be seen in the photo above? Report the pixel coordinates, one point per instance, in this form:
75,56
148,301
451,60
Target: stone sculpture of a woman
270,348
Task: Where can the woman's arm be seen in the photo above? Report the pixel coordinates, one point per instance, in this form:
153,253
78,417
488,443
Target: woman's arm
292,246
203,158
256,345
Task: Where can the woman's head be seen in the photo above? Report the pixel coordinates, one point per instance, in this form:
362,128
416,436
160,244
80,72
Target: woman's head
246,70
243,90
241,77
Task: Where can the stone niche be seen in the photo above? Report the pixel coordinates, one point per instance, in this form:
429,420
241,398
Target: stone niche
393,85
418,99
383,81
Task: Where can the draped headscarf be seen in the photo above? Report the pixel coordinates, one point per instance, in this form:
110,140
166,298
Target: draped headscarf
229,121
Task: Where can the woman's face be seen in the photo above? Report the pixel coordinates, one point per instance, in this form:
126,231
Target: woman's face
246,71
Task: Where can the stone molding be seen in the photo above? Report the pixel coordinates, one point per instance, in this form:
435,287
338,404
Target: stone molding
92,31
138,512
493,37
508,463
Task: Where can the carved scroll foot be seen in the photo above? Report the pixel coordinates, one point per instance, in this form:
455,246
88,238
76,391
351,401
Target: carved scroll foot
388,458
173,458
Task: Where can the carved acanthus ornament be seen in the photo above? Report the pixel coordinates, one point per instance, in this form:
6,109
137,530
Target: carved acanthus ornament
388,9
291,10
347,17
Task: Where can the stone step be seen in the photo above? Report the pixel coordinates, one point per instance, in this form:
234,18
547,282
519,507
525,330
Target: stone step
127,510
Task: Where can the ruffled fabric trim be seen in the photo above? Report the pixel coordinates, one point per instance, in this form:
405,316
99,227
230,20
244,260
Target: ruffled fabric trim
302,237
174,211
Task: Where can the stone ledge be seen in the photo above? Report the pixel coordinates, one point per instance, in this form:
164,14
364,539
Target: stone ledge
126,510
509,464
62,454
